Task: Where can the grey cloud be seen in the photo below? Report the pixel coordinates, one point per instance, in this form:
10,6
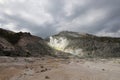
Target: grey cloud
47,17
40,30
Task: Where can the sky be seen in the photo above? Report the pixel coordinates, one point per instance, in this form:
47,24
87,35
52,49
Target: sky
48,17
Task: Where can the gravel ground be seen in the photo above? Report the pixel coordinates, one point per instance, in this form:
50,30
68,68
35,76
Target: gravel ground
48,68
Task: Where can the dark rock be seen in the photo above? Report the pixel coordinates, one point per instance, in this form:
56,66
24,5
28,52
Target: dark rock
47,77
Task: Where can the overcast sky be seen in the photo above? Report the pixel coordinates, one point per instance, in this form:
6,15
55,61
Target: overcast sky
46,17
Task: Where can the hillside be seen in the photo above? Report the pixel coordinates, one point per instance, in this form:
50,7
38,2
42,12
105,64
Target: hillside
65,44
85,45
22,44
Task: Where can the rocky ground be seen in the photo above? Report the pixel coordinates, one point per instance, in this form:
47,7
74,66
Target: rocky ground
49,68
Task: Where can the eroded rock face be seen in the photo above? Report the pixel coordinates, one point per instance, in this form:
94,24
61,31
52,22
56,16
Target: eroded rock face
62,43
85,45
58,43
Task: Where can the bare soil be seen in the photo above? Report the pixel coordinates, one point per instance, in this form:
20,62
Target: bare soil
49,68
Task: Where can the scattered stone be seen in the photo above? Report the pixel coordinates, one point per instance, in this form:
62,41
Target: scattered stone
24,74
47,77
26,67
103,69
42,70
46,69
42,66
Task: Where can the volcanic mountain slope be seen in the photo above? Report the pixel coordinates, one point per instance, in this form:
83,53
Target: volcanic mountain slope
85,45
65,44
22,44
